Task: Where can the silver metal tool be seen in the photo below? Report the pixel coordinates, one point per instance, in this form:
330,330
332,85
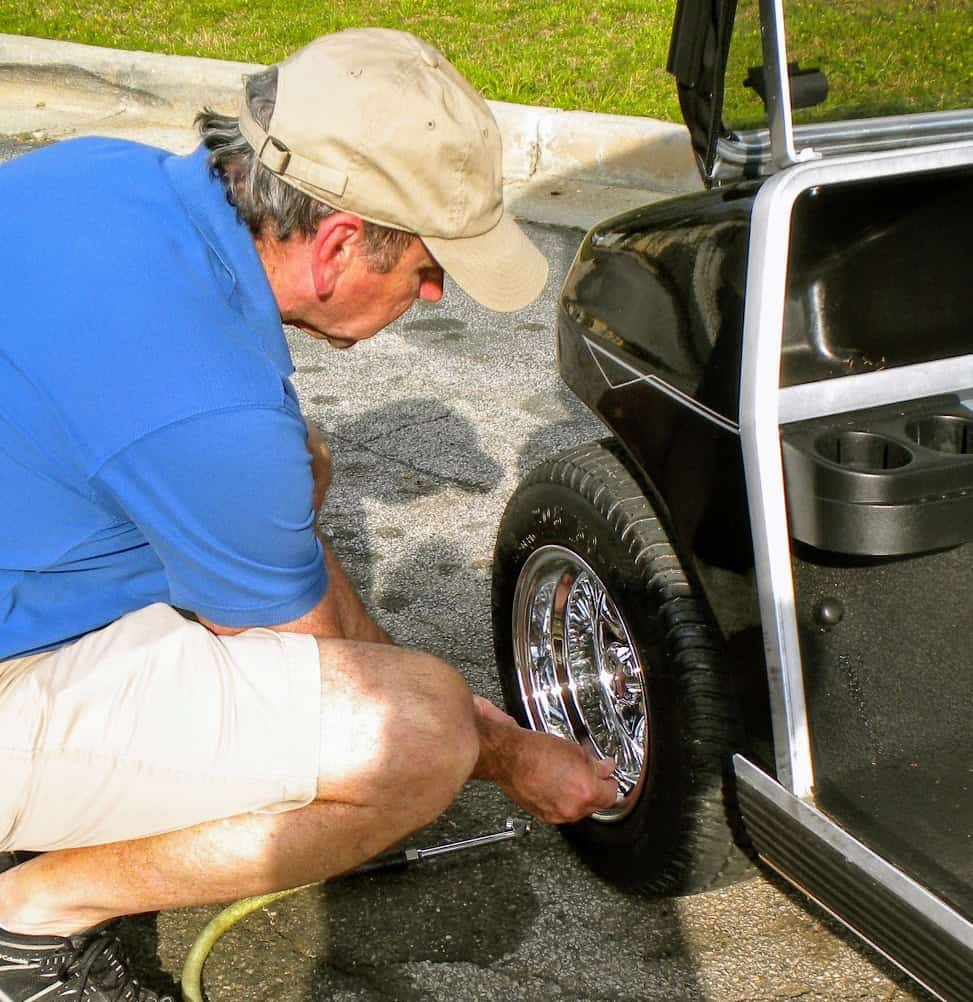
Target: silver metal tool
402,858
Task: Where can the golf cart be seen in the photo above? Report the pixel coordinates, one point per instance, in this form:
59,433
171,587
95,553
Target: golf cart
755,593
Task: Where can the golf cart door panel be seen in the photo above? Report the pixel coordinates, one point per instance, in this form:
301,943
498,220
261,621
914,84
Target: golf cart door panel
697,59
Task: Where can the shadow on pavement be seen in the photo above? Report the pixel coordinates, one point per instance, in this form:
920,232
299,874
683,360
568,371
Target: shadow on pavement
395,455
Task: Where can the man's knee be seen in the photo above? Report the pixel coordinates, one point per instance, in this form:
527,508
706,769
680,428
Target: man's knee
395,722
443,716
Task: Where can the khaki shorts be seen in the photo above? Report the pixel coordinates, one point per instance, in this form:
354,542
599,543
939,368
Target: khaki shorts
154,724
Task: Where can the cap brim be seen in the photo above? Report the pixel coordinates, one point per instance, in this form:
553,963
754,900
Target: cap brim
501,269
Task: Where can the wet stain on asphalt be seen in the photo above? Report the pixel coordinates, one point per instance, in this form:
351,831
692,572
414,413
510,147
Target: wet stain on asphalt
395,601
540,405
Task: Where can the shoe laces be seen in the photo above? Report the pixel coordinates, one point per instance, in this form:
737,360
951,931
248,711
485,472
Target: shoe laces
99,968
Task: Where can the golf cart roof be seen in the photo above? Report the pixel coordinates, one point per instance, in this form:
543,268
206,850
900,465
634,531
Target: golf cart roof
764,84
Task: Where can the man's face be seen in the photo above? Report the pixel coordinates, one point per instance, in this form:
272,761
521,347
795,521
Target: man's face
364,301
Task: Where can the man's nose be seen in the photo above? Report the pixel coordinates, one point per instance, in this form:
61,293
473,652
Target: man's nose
431,286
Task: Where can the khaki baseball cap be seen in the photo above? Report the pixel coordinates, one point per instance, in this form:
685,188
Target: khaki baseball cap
378,123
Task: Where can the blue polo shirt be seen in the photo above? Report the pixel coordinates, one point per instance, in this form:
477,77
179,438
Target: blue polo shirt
151,444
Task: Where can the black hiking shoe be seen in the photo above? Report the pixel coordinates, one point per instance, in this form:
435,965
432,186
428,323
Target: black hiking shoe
89,967
8,860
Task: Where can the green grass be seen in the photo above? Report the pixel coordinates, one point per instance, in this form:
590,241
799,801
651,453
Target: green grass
599,55
608,55
880,56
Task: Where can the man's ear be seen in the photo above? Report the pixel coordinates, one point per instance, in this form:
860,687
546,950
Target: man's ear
338,240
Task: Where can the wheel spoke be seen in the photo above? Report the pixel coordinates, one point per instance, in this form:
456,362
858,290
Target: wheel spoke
543,689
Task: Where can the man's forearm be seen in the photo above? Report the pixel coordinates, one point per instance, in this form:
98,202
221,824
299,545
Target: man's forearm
356,621
553,779
341,612
339,615
499,742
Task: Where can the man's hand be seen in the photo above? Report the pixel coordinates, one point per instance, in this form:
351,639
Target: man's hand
320,463
553,779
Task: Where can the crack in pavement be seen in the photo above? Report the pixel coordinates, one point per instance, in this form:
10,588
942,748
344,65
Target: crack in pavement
471,486
408,426
296,946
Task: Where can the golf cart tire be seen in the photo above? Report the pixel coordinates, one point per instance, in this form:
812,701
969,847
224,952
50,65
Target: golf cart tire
679,835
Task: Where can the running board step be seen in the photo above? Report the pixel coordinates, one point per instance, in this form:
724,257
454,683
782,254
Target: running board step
916,930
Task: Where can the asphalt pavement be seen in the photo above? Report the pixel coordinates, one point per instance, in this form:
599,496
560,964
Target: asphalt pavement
432,423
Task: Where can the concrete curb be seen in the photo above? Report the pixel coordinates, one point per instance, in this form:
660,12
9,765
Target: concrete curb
64,88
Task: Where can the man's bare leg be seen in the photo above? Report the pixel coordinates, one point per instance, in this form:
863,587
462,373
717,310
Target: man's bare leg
400,734
399,739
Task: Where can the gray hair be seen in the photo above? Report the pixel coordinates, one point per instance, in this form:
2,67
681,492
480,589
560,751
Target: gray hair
262,201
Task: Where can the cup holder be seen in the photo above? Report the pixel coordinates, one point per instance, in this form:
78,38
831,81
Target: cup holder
862,450
882,482
943,433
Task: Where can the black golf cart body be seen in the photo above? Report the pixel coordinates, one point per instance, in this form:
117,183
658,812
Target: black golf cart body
785,361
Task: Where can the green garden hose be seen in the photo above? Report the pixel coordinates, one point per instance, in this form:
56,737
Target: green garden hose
192,971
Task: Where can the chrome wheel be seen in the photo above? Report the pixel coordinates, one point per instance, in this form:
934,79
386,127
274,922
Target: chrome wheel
579,672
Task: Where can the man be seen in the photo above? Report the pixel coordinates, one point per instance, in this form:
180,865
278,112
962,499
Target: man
195,705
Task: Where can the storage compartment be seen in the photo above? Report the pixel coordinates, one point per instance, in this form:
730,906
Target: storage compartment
878,275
